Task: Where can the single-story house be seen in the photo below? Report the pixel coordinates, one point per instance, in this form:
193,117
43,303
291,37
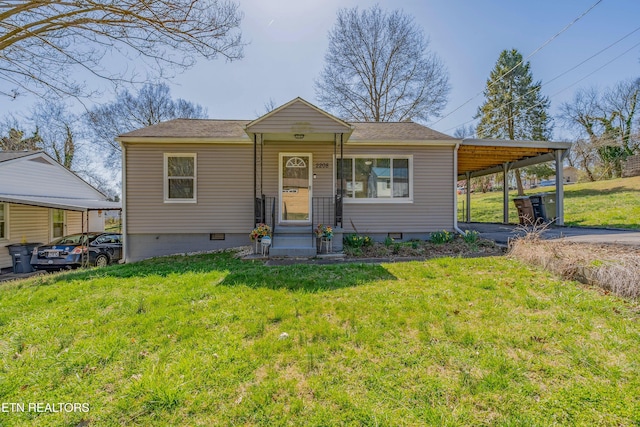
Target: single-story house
193,184
40,200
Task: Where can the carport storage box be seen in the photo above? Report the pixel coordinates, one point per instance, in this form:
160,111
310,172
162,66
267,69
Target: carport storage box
21,256
525,210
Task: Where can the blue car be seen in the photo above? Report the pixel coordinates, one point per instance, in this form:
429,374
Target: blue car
78,250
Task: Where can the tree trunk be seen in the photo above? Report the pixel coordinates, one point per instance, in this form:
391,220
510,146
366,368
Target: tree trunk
519,182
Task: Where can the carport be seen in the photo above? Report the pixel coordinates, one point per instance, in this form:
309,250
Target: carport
480,157
85,206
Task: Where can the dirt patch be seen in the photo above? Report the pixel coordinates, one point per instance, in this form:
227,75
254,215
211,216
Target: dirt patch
614,268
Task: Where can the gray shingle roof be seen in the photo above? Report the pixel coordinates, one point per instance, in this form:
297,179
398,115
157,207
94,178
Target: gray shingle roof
234,130
193,128
394,131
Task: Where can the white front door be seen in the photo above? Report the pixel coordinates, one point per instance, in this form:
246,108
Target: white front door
295,188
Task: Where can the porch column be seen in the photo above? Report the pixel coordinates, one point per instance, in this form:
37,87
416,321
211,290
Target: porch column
505,193
468,195
255,178
559,187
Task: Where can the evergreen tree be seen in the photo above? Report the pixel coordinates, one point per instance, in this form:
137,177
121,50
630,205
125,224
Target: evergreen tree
514,107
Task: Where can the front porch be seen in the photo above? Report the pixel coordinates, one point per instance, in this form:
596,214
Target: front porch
295,152
300,240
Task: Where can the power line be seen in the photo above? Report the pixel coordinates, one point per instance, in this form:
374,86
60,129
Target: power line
493,82
568,71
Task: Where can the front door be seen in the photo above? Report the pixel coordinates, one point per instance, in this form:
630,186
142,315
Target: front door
295,188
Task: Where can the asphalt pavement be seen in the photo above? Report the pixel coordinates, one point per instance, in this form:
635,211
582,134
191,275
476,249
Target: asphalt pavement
502,233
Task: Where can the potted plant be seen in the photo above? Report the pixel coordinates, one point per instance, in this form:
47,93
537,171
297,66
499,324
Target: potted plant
261,230
324,234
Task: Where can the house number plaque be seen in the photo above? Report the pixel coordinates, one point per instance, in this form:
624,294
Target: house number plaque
322,165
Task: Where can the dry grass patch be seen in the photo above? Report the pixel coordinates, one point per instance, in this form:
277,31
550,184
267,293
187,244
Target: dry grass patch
614,268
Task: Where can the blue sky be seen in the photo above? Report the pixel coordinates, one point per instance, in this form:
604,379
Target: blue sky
288,40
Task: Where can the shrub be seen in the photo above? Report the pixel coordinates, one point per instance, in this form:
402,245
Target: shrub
440,237
471,236
388,241
355,240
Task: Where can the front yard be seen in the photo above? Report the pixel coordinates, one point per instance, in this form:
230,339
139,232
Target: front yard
211,340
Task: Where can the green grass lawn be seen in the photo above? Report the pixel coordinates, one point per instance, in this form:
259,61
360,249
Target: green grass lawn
613,203
199,341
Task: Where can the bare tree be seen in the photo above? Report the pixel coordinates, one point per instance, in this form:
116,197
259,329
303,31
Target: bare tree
42,43
378,68
151,105
605,126
59,130
463,132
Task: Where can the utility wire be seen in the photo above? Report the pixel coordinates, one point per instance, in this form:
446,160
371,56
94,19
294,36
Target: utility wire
493,82
568,71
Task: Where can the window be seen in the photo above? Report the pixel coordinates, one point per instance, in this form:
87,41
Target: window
180,177
380,178
57,223
3,221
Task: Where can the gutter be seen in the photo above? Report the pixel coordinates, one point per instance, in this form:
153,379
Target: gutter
123,215
455,187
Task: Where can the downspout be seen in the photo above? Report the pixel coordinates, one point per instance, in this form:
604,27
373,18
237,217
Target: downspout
455,188
123,211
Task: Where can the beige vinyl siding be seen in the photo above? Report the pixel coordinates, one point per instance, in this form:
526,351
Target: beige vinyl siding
322,186
432,207
224,190
298,118
33,225
74,222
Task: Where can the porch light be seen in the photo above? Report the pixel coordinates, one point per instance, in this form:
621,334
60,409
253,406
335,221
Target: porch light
299,135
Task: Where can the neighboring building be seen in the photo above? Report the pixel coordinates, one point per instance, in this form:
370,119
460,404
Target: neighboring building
40,200
631,166
191,184
570,175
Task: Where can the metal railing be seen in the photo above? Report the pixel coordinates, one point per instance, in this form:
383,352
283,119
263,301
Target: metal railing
323,211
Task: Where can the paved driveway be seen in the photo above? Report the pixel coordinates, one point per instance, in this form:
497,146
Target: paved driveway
501,233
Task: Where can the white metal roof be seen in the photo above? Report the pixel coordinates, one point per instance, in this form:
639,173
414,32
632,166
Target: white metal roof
80,205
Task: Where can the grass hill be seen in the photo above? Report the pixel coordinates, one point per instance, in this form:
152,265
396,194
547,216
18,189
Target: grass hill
612,203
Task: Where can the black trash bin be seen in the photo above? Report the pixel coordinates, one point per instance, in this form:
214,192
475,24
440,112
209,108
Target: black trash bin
21,256
539,211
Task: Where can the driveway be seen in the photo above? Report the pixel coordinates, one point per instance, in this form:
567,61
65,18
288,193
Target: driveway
501,233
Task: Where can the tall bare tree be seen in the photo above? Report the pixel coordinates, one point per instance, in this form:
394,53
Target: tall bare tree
43,43
378,68
152,104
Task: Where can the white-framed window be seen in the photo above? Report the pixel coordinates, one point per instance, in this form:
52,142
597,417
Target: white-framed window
375,178
58,223
180,182
4,220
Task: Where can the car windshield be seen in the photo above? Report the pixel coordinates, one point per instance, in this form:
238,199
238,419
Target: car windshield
74,239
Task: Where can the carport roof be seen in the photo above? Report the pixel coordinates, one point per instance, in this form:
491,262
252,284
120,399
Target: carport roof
485,156
70,204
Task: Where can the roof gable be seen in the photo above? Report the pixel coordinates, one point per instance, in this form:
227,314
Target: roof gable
38,174
298,117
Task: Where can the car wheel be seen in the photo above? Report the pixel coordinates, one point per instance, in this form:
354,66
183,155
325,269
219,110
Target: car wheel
102,260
